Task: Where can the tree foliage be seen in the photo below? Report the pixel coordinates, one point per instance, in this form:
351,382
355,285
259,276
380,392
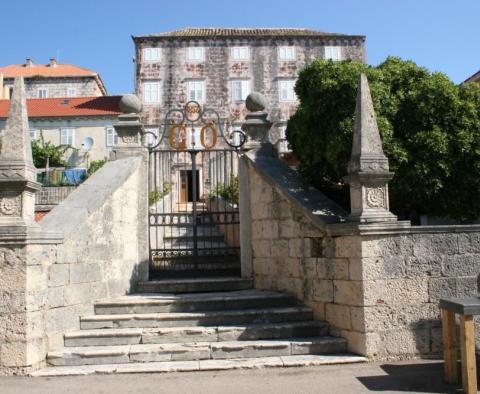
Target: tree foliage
45,150
430,129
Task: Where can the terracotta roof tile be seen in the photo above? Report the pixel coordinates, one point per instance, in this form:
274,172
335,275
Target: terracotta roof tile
243,32
68,107
61,70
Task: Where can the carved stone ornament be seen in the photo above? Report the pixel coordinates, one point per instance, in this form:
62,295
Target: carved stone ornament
129,139
376,197
10,205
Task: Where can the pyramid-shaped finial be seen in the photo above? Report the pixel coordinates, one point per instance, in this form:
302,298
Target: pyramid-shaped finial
16,136
368,170
367,152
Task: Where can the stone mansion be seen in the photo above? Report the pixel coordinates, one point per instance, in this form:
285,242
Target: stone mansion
219,67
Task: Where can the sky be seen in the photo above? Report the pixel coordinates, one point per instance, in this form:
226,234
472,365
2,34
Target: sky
442,35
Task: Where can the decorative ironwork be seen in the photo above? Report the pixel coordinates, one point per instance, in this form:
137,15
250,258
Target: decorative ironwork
182,126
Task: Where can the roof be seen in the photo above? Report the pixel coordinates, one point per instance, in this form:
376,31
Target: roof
68,107
47,70
474,78
214,32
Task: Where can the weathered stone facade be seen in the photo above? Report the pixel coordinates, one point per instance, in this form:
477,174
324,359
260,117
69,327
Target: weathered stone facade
262,69
59,87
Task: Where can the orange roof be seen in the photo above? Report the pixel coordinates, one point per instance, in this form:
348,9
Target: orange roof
68,107
60,70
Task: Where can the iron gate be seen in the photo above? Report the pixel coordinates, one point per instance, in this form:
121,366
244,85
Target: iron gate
193,195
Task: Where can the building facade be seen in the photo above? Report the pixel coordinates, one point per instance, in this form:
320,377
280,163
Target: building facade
52,80
71,121
220,67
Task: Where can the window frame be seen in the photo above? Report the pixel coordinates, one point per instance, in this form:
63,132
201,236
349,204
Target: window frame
148,54
111,136
146,92
71,136
69,90
282,53
293,97
203,90
239,49
338,51
35,133
245,84
39,95
193,51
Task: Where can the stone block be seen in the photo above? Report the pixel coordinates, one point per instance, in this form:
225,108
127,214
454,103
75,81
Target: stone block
331,268
428,244
402,343
280,248
37,276
261,248
289,229
78,294
429,265
323,290
338,316
365,344
293,266
348,246
260,211
85,272
55,297
296,247
466,286
406,291
348,292
461,265
441,288
58,275
309,267
469,243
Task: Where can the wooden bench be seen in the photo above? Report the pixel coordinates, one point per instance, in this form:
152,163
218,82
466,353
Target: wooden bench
466,308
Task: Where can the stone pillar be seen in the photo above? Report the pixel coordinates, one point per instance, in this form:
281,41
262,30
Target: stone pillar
129,130
368,170
23,340
257,126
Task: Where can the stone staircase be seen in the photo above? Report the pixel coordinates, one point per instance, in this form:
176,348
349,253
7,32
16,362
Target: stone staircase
196,324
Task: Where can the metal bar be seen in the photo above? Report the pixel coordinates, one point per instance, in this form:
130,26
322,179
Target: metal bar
193,155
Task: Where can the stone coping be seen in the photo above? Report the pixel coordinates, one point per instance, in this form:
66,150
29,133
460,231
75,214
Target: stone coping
316,206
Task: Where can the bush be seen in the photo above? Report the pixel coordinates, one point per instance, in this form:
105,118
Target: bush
46,151
430,129
156,195
228,191
95,165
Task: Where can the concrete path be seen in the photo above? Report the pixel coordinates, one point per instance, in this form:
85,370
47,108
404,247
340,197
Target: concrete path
412,377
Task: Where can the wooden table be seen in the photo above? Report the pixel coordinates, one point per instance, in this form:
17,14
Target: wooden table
466,308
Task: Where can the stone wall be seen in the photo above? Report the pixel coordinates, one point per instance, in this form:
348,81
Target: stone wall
46,287
377,286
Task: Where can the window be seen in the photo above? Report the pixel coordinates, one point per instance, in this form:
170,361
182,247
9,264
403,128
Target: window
333,53
240,89
33,134
67,136
152,54
151,92
42,93
196,91
112,137
150,140
196,54
240,53
286,90
71,92
283,132
286,53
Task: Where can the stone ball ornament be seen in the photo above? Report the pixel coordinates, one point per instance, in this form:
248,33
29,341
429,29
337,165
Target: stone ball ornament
256,102
129,103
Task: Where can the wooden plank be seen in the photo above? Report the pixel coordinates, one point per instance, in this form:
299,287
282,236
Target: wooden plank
449,346
467,347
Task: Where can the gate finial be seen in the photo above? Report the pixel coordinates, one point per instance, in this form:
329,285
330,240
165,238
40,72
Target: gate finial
368,170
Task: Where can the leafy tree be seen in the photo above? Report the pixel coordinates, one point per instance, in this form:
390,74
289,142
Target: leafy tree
95,165
430,129
44,150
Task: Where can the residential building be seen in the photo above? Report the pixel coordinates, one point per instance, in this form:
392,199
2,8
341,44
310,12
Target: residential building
52,80
219,67
474,78
70,121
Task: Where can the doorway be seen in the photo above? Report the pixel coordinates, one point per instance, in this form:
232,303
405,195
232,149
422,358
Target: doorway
186,185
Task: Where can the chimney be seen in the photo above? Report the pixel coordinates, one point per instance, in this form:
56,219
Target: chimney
53,62
29,62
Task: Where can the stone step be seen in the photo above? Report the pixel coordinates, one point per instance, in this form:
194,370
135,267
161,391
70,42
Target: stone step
159,303
130,336
202,365
210,263
195,285
227,318
194,351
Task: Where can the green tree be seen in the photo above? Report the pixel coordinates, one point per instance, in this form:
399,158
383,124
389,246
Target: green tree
44,150
430,129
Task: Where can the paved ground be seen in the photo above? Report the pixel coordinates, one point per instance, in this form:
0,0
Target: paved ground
411,377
